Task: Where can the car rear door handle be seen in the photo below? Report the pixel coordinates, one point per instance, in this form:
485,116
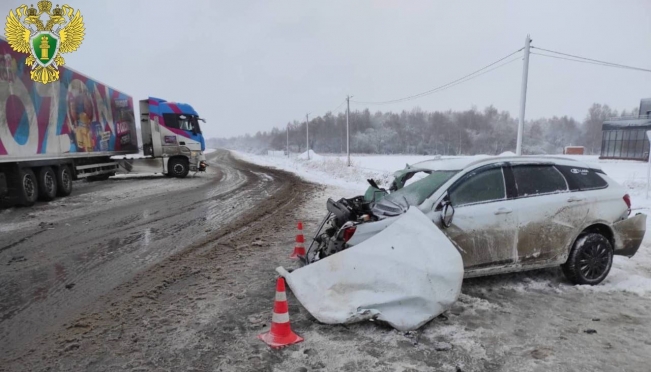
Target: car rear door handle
503,211
574,199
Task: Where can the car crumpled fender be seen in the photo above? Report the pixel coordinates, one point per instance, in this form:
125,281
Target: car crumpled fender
406,275
629,234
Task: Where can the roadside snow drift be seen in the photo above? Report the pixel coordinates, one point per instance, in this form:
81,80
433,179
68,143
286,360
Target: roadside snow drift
406,275
312,156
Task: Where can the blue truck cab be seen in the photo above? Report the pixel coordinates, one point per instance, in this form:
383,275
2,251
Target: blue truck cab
172,131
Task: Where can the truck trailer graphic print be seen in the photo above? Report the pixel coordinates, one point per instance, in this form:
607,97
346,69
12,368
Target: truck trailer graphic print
98,119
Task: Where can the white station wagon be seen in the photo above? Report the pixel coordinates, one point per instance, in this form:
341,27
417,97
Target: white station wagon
504,214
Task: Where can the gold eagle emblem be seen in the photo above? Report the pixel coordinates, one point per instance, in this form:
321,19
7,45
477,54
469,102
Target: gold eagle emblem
44,42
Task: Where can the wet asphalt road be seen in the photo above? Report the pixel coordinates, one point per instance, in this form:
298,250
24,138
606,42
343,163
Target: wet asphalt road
51,271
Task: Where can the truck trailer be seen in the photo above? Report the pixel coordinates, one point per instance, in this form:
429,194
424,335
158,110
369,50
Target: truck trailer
77,127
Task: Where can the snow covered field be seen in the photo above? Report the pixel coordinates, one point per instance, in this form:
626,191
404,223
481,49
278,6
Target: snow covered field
628,275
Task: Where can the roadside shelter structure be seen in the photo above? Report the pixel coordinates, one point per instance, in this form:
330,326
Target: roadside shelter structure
625,137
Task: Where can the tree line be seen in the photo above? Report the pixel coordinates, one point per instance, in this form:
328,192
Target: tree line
469,132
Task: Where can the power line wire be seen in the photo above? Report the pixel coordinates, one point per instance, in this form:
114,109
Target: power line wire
588,62
334,109
450,84
572,59
447,86
596,61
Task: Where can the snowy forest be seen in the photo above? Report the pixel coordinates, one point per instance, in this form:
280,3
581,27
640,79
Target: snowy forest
470,132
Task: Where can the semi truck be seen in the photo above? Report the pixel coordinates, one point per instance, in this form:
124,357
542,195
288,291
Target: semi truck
78,128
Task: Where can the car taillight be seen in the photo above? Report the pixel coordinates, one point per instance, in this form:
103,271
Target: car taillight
627,200
348,233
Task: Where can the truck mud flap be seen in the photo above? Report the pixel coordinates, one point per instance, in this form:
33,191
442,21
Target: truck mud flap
629,234
126,164
405,275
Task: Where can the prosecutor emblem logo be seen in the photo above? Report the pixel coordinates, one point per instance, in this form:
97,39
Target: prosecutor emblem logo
44,34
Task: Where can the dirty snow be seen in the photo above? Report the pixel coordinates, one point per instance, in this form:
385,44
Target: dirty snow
97,196
630,275
326,170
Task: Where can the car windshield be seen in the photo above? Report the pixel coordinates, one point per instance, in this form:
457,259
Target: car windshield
415,193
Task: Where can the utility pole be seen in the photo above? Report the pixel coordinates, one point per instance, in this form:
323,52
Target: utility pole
648,170
348,129
523,94
287,139
307,130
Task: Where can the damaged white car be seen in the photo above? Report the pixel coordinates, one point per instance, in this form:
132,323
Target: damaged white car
504,214
400,255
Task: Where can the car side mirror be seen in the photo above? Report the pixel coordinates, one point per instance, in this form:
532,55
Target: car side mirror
438,207
447,214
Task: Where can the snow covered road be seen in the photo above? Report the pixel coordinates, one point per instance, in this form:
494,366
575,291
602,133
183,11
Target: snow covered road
59,257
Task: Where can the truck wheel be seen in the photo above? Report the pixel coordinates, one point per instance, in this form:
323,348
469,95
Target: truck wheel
47,184
178,167
27,187
590,259
64,181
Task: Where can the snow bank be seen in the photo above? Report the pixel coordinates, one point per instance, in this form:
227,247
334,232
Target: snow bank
326,170
313,156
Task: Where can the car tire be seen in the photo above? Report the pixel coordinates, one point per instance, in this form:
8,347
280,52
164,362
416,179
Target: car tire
47,184
27,187
64,180
590,259
178,167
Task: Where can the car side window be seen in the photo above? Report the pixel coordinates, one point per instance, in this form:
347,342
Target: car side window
538,179
582,178
485,186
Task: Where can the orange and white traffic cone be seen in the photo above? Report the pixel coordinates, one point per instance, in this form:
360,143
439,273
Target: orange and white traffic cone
281,333
299,249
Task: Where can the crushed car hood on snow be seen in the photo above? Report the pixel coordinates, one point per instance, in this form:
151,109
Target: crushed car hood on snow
406,276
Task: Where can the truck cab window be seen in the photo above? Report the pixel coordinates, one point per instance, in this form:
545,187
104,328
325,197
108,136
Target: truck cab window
183,122
195,128
171,120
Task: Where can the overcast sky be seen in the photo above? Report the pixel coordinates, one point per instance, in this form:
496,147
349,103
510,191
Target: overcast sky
251,65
